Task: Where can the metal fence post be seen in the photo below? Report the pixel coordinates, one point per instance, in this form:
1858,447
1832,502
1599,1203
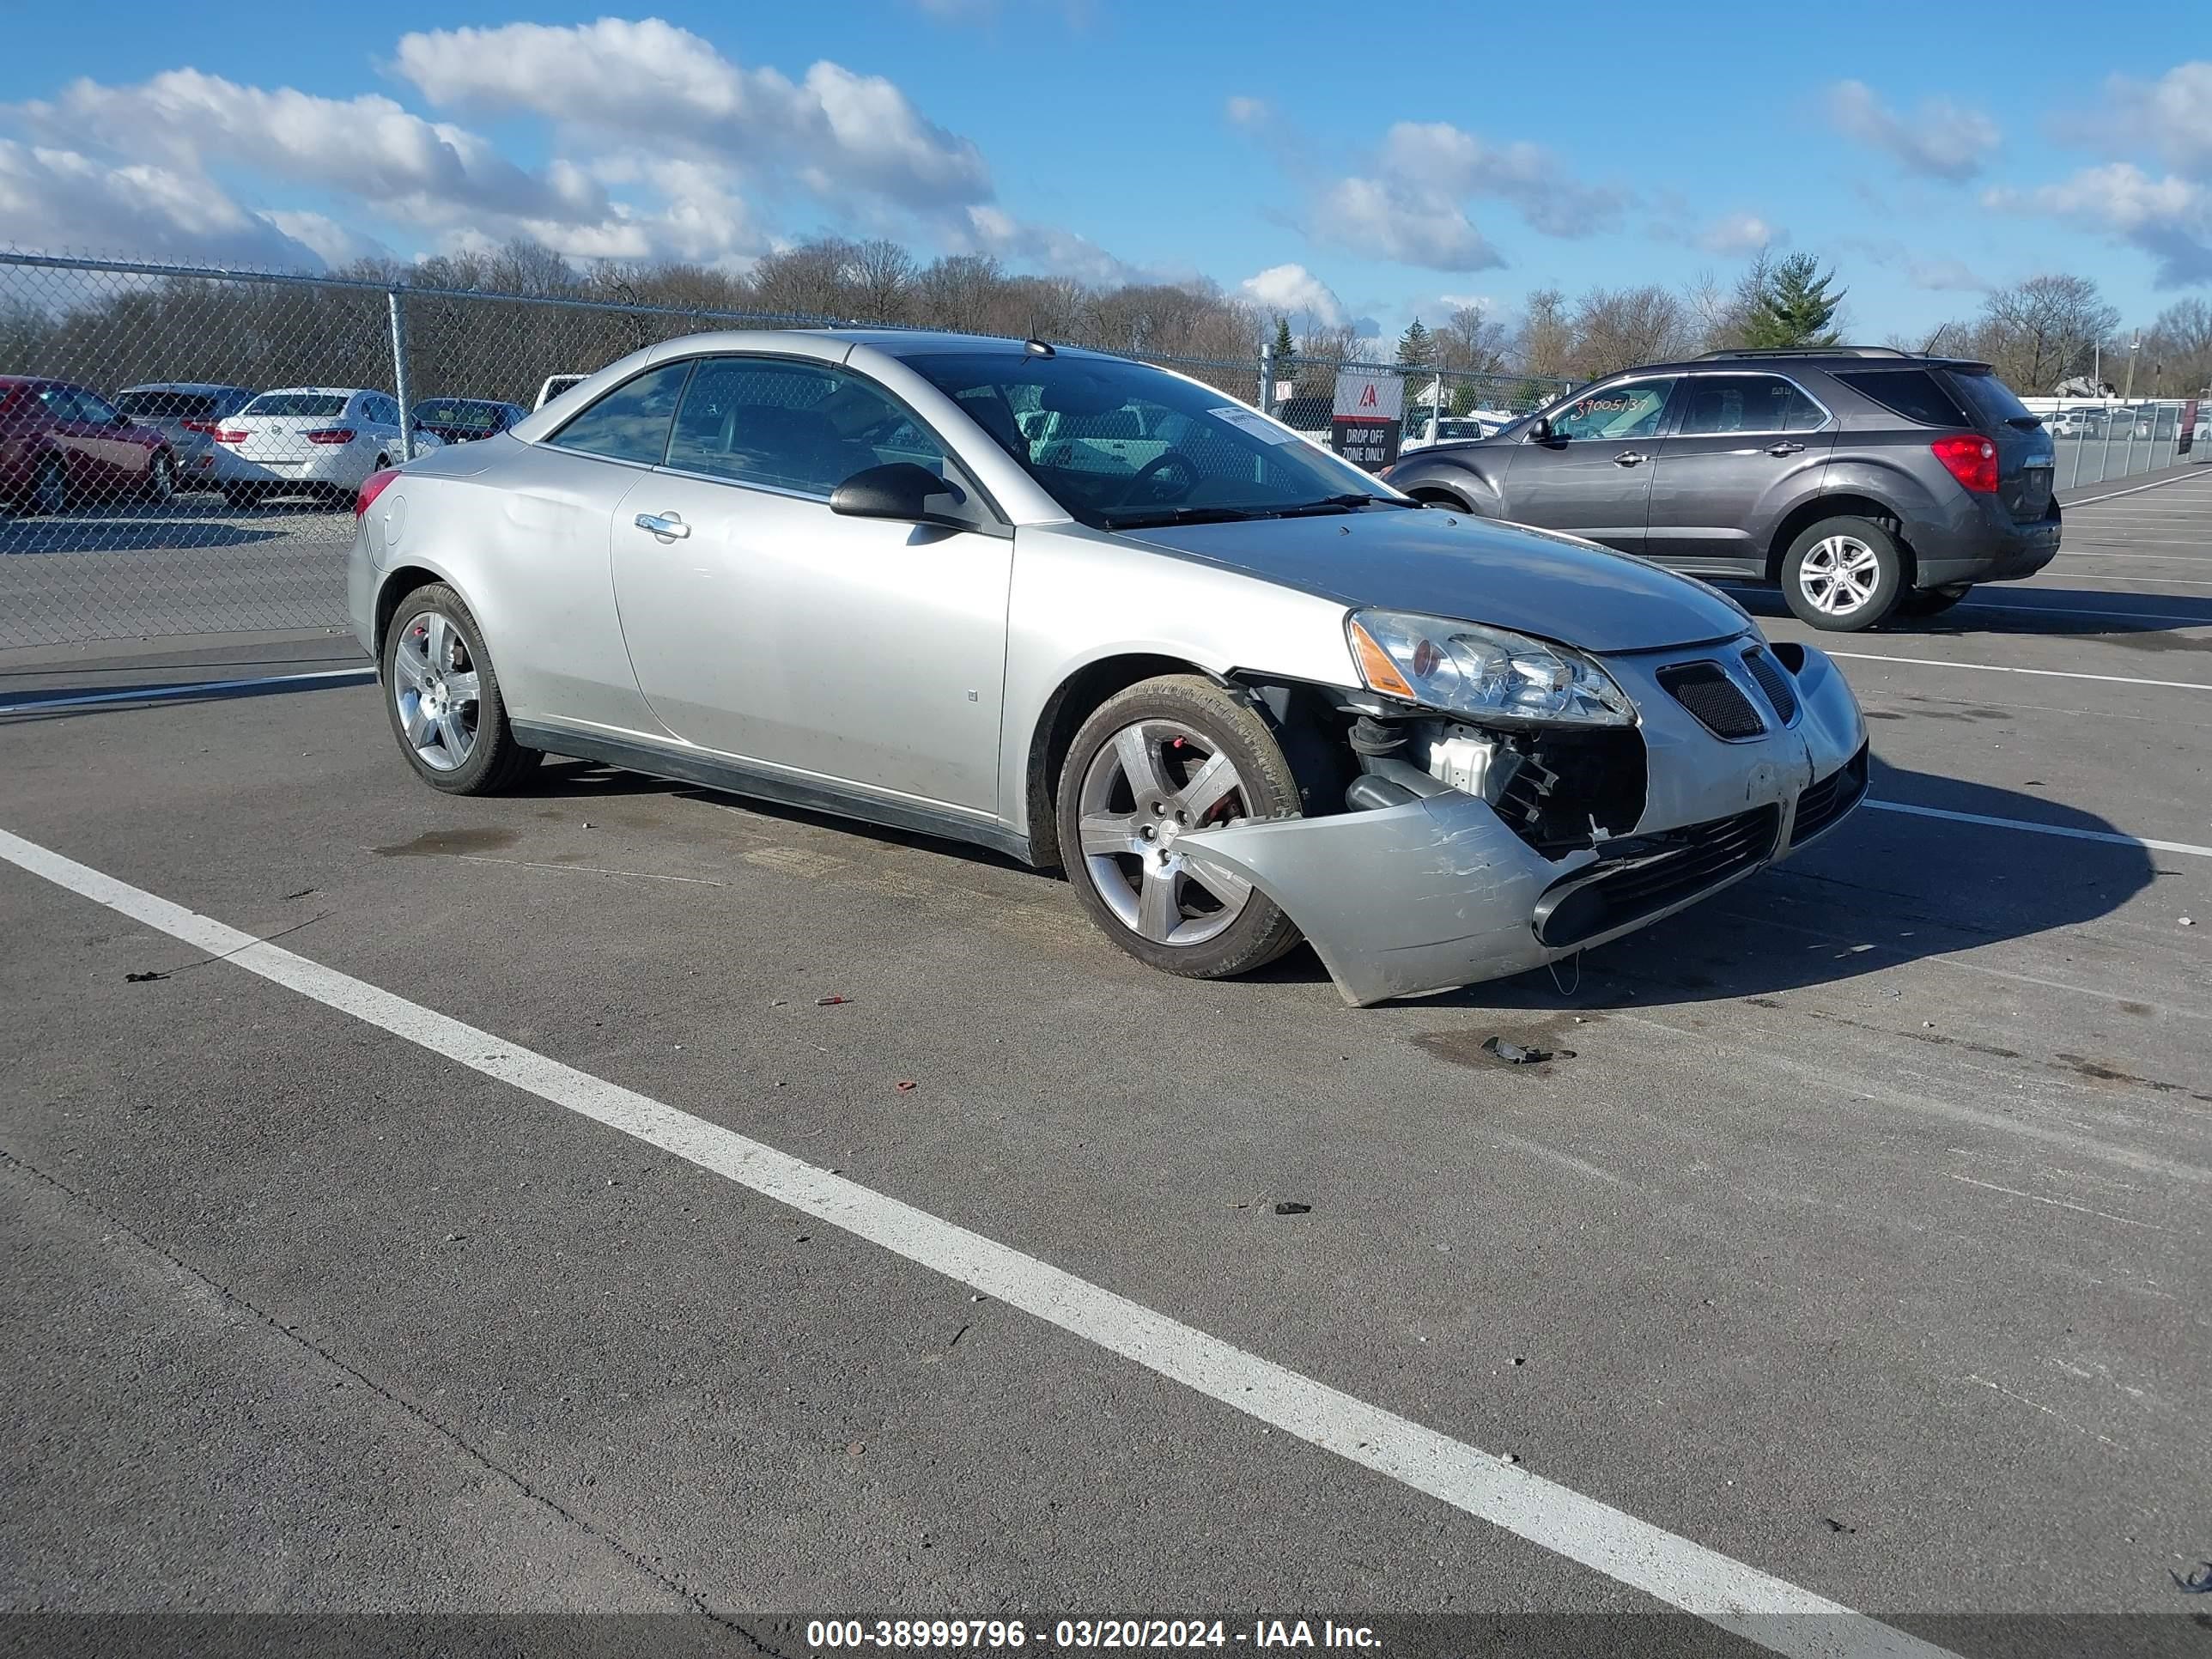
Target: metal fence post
2128,461
399,373
1266,376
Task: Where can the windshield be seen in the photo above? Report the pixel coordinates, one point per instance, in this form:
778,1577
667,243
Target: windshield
296,402
1120,444
459,412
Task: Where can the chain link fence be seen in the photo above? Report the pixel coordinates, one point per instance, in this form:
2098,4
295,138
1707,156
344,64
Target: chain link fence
139,496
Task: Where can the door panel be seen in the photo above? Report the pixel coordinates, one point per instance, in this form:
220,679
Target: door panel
1593,477
1739,442
862,650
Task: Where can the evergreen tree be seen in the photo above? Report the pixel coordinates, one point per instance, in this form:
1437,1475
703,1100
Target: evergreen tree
1285,346
1417,347
1791,306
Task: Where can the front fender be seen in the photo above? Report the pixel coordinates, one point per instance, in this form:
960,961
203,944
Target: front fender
1478,483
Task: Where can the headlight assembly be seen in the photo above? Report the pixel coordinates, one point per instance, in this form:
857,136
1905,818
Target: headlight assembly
1485,674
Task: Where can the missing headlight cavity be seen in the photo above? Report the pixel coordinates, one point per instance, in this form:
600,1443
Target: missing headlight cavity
1557,790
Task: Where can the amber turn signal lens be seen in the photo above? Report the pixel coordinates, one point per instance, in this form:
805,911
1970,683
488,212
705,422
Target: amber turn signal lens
1376,668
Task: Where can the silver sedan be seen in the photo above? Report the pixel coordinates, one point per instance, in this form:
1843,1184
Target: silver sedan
1101,618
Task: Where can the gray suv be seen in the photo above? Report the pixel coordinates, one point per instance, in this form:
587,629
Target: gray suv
1867,482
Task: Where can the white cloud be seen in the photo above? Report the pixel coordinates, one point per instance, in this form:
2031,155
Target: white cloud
1247,111
1436,160
1942,275
1060,253
1939,138
2171,117
2168,217
1386,221
62,201
368,146
332,243
650,81
1293,291
1736,234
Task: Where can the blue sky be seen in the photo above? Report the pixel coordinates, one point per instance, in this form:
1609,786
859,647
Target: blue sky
1363,162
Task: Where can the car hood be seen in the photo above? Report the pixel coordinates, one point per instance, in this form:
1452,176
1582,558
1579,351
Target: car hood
1449,564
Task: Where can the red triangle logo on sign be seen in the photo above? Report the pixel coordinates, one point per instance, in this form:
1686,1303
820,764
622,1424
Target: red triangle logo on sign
1367,398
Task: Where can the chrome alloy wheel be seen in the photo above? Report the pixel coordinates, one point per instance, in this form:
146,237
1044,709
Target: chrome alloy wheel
1839,575
1154,781
436,688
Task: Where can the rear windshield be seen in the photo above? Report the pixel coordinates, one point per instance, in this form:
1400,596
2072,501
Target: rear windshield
296,402
167,405
1990,398
1912,392
475,418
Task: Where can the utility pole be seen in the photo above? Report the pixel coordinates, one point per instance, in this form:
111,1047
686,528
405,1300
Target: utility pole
2134,346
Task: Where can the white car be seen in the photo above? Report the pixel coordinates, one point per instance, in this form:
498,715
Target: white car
316,440
1452,429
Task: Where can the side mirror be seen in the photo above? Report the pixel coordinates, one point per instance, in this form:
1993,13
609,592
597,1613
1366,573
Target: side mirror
902,490
1539,431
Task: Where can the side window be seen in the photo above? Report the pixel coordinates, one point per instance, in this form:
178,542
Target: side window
373,411
1719,404
631,422
95,409
1630,409
798,426
61,403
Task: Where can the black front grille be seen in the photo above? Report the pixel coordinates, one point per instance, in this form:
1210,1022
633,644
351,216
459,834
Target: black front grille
1826,799
1705,690
1653,873
1773,679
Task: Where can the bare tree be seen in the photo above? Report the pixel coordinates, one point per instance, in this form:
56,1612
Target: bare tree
1471,341
1546,338
879,280
1618,328
2178,348
2038,332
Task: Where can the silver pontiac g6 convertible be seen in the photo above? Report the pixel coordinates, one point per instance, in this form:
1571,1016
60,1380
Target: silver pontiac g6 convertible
1100,616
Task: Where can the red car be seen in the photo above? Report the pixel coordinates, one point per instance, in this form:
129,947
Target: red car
59,444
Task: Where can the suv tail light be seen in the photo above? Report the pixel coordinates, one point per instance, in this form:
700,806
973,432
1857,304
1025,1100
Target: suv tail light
231,435
207,426
345,434
371,488
1972,461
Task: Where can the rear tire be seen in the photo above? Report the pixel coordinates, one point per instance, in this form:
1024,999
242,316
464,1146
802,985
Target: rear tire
161,479
1933,601
442,698
1843,575
1166,755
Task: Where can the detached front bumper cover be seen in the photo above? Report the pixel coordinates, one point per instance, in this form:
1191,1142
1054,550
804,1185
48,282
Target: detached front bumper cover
1439,893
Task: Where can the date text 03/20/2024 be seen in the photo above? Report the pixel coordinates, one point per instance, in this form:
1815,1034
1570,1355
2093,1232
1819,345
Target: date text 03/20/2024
832,1635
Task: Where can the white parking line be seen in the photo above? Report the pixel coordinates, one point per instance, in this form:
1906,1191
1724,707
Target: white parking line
2112,837
1753,1604
146,693
2162,483
2048,673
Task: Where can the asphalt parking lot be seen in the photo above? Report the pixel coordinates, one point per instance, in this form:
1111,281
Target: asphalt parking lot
520,1230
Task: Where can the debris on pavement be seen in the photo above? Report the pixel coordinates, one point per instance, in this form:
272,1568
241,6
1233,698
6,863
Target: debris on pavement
1291,1207
140,978
829,1002
2188,921
1834,1525
1514,1054
2198,1583
1508,1458
906,1085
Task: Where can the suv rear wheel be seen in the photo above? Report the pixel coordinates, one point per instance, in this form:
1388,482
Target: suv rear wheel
1842,575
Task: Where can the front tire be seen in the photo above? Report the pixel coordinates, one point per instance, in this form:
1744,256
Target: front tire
1843,575
1166,755
161,479
443,698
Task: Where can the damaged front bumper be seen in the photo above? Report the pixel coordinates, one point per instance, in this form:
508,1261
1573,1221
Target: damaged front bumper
1439,892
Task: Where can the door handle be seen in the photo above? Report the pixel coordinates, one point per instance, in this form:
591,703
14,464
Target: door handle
1628,457
669,526
1785,448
